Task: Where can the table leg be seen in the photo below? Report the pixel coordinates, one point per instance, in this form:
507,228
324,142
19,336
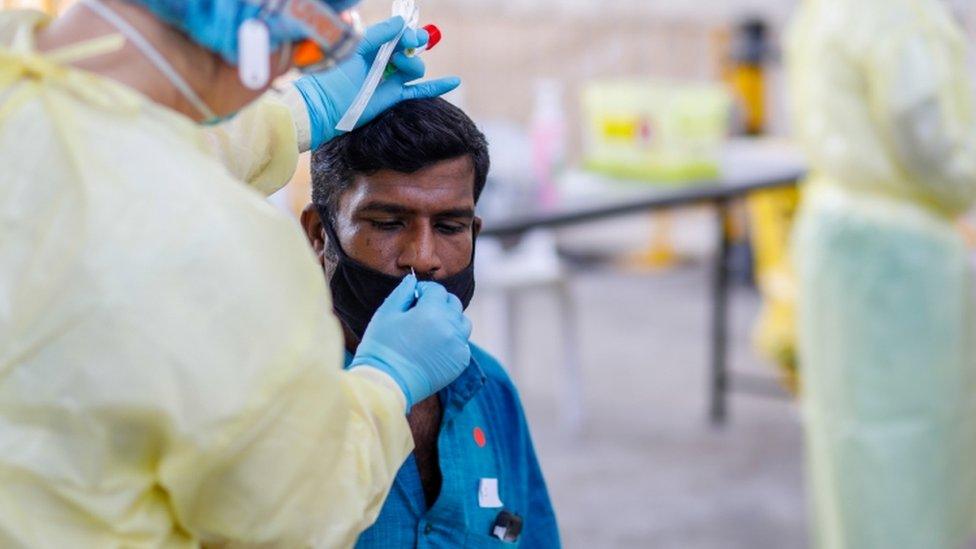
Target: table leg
510,299
719,382
573,405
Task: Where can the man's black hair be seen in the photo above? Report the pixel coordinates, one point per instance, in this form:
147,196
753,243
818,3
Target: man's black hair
409,137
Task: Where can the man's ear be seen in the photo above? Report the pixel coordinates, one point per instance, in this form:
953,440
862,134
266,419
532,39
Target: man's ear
312,225
476,225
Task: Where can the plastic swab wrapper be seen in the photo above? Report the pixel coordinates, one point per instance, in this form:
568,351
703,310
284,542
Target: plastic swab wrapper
408,10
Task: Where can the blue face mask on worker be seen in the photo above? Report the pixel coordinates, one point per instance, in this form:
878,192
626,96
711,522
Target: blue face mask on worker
358,290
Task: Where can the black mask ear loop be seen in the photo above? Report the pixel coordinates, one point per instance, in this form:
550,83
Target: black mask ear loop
331,233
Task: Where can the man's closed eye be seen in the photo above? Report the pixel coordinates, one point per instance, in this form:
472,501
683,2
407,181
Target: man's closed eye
387,226
451,228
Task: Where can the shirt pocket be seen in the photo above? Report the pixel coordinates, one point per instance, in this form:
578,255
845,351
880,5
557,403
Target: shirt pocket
484,541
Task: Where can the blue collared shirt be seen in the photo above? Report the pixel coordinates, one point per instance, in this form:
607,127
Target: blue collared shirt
483,436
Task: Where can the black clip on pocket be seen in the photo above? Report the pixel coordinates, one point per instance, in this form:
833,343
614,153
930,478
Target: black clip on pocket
507,527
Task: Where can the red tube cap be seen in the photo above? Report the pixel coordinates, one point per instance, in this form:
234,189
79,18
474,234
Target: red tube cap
435,36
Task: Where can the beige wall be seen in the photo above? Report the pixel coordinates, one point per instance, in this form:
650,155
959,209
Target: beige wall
501,56
500,48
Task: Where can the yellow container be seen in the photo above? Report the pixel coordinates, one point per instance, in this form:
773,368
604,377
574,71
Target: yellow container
655,131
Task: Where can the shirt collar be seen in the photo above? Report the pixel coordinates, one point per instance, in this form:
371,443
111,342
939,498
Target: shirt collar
456,395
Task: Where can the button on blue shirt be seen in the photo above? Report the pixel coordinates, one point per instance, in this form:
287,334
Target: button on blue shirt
483,435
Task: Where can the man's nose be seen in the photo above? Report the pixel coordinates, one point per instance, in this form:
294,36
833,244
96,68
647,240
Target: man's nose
420,253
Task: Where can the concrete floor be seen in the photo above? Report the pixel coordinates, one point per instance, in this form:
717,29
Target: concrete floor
647,469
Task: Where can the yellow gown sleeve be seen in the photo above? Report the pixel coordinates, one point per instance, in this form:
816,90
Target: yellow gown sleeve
310,453
303,472
922,101
307,451
260,145
192,380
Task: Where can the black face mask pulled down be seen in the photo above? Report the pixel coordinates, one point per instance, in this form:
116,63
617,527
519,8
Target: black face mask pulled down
358,290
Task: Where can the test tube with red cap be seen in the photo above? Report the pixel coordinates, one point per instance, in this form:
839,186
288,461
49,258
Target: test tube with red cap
434,35
434,38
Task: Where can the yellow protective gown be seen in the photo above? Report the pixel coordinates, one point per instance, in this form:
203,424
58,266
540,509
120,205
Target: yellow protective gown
169,367
884,108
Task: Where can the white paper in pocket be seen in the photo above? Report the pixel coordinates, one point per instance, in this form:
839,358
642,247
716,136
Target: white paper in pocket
488,494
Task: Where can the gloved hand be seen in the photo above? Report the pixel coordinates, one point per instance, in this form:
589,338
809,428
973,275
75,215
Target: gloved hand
423,347
328,95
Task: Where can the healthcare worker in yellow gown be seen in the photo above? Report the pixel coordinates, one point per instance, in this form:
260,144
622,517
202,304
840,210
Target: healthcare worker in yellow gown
885,111
169,364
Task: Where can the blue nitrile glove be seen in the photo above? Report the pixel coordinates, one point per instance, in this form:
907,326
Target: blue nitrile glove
422,346
328,95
